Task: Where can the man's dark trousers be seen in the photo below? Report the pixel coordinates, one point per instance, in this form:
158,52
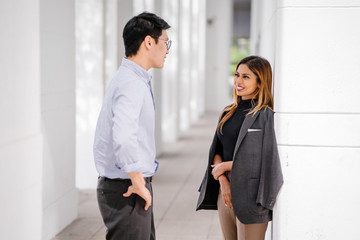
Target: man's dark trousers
124,217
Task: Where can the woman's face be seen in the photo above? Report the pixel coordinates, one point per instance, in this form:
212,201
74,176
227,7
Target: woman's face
245,82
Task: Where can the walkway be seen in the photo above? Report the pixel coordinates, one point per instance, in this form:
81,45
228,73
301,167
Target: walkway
175,185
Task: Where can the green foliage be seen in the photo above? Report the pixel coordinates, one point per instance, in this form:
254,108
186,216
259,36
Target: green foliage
236,54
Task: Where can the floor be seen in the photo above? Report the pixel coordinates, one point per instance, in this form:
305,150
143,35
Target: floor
175,186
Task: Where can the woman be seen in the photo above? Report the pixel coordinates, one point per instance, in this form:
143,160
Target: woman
244,174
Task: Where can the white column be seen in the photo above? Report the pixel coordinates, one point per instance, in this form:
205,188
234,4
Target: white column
90,85
196,100
318,119
263,28
20,107
267,29
111,32
143,5
157,87
219,26
201,55
255,22
185,61
193,56
170,74
57,38
125,11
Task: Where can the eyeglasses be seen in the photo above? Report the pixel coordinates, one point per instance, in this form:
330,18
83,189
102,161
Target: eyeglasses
167,42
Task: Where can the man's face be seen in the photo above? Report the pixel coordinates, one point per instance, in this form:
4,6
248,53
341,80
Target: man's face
159,51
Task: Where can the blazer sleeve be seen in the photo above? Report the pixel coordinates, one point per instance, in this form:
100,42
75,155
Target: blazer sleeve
209,187
271,178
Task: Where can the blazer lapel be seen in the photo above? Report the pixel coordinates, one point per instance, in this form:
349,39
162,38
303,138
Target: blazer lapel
248,122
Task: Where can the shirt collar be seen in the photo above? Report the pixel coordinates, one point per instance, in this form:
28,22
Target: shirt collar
141,72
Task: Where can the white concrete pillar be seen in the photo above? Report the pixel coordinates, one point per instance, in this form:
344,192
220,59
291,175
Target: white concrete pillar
90,85
193,56
20,106
57,38
268,30
185,62
218,35
143,5
201,56
255,22
318,119
125,11
111,32
263,28
194,86
157,86
170,75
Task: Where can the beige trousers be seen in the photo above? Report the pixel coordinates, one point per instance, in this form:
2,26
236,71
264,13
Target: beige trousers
233,229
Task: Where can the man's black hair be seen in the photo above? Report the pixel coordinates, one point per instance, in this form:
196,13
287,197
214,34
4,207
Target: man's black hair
140,26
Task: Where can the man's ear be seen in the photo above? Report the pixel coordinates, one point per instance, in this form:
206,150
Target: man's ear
148,41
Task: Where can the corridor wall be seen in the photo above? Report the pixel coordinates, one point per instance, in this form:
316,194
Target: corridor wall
37,142
57,69
21,140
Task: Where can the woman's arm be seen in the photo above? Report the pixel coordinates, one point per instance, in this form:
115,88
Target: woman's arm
217,159
225,190
218,172
219,167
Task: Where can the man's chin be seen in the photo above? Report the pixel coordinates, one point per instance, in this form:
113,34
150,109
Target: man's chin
159,66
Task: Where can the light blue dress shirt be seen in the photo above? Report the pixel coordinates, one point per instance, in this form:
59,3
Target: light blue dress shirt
124,138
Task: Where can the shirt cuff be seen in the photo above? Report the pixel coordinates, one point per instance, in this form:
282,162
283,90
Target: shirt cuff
131,167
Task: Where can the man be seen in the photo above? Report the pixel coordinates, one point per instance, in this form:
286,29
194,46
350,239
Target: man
124,147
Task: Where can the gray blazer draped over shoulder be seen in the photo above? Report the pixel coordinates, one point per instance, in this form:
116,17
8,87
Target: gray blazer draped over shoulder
256,176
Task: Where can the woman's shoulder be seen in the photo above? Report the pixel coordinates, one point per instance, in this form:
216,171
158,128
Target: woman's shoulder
266,112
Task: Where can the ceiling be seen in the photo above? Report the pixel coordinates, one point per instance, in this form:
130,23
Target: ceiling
242,4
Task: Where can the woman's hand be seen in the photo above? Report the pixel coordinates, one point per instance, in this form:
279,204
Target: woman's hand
220,167
225,190
218,170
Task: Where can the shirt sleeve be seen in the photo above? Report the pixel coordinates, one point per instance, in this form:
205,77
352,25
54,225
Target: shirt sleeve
127,103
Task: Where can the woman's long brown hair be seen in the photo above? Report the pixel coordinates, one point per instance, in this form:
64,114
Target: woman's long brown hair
262,69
